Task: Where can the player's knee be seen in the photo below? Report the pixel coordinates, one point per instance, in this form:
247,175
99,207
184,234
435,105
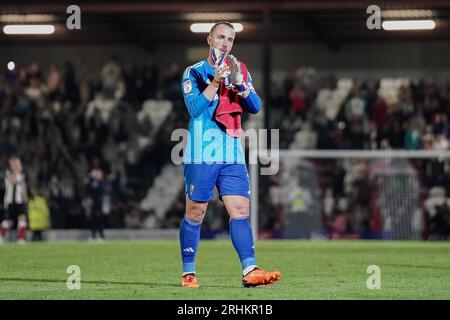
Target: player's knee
196,212
241,210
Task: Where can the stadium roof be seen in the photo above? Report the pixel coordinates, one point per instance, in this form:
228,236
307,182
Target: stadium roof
162,22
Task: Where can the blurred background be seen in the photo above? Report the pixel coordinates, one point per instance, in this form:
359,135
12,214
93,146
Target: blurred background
107,97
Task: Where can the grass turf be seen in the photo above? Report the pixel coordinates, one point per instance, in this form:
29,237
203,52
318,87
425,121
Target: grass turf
151,270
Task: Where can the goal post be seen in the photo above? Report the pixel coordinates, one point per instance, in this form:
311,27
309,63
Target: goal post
383,191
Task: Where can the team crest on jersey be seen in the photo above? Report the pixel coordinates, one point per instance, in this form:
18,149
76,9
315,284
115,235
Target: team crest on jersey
191,189
187,86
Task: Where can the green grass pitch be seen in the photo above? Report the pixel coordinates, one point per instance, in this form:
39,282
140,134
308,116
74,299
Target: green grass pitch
151,270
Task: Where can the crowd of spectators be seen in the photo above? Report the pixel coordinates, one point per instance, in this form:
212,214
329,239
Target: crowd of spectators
54,119
417,119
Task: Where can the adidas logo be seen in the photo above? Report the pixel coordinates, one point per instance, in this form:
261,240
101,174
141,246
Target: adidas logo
188,249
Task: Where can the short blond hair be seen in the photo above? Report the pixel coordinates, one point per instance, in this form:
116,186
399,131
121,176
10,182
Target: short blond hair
226,23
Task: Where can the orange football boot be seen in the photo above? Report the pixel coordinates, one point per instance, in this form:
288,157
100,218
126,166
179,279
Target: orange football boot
258,277
189,281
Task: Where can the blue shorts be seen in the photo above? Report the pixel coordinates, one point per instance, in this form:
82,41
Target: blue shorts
230,179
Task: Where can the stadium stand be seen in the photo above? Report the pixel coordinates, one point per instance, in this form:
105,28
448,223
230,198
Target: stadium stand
62,122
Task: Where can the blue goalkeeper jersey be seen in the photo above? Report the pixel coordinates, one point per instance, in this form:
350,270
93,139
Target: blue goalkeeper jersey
207,142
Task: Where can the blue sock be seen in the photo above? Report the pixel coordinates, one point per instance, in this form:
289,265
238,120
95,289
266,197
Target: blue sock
189,238
242,239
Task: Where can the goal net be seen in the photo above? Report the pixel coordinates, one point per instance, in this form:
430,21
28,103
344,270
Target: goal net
342,194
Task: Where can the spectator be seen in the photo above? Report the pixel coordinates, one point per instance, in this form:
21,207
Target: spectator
355,108
111,78
324,128
15,200
395,134
413,134
379,112
298,100
406,102
440,142
440,124
427,139
38,215
54,83
96,189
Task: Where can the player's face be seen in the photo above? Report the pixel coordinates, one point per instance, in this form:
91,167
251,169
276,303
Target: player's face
15,165
222,38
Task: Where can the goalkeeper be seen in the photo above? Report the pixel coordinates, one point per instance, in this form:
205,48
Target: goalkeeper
216,92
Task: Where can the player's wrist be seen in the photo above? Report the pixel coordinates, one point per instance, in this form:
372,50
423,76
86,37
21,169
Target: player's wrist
241,87
215,83
245,94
